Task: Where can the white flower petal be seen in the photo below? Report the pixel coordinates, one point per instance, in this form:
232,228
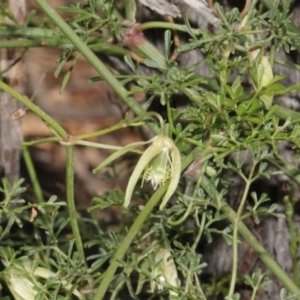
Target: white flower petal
147,156
118,153
175,176
155,172
166,270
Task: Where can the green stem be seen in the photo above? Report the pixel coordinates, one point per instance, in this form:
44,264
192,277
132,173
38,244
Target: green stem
201,227
182,218
41,141
165,25
28,43
102,146
289,212
203,163
285,113
289,169
255,290
51,123
121,251
130,10
27,32
235,232
135,228
71,201
293,88
169,114
32,175
286,64
253,242
37,191
122,124
93,60
262,253
97,47
234,260
39,34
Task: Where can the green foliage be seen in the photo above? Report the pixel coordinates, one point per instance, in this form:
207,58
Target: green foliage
230,129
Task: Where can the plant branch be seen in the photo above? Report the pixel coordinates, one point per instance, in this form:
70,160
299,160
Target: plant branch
33,176
235,231
120,253
93,60
51,123
135,228
253,242
71,201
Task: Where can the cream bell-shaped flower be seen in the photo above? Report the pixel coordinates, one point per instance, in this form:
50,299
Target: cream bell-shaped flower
22,279
165,271
160,162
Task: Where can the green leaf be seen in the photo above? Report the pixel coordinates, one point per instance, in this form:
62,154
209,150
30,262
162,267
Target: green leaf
130,63
168,43
65,80
267,98
153,64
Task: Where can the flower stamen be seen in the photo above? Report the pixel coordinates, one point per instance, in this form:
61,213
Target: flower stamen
159,170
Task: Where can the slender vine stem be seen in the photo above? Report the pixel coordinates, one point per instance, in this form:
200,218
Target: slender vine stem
289,89
201,227
51,123
235,231
166,25
130,10
136,226
93,60
71,201
138,121
289,212
102,146
251,239
33,177
28,43
183,217
255,290
27,32
289,169
169,114
121,251
41,141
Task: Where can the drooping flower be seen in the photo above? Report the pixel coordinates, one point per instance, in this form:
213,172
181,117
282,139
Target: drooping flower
264,75
160,265
160,162
165,271
22,279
